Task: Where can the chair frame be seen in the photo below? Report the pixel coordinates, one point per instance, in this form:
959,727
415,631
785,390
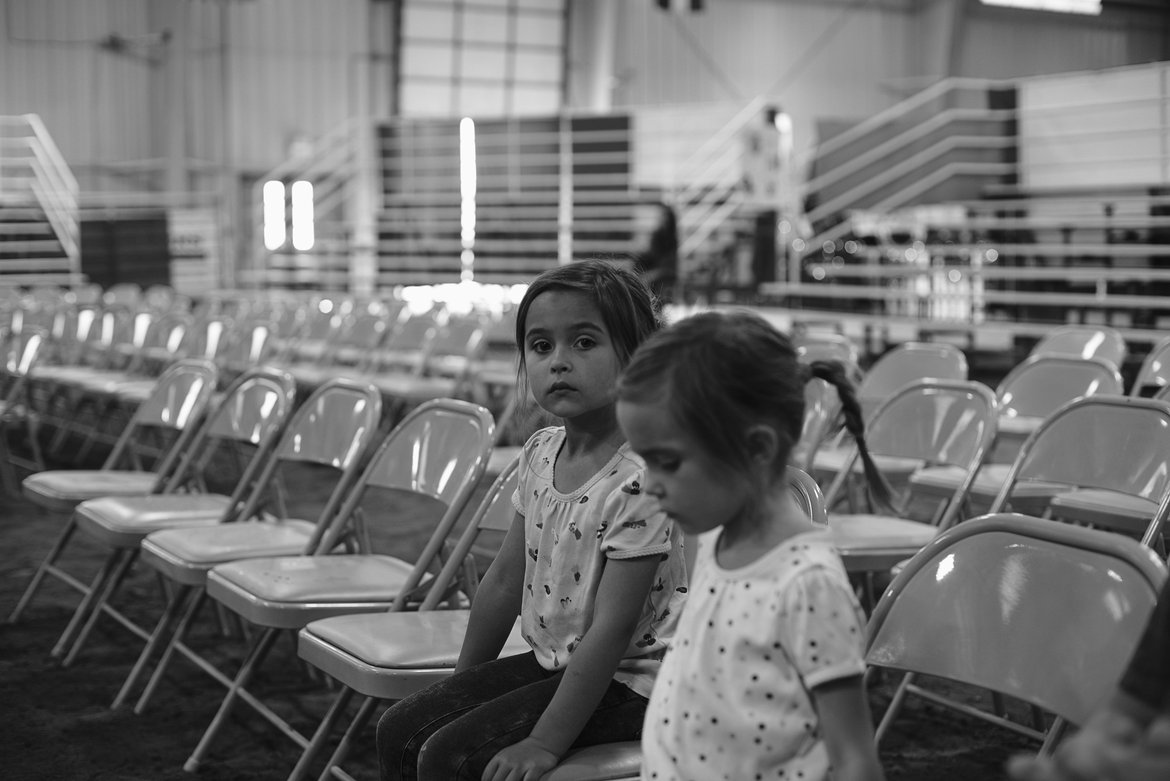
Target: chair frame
201,372
188,476
270,619
1141,560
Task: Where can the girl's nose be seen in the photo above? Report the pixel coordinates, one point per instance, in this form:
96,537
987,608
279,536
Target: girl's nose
654,487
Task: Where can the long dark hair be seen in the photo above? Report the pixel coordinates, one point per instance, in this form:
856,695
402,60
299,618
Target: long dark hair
720,373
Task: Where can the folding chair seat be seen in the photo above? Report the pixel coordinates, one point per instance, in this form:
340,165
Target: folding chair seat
249,417
1154,374
1030,392
390,656
895,369
1046,613
437,452
135,466
319,452
386,656
22,352
932,423
1084,341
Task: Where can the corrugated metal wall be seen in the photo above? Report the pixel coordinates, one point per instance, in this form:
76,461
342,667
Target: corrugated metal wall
58,59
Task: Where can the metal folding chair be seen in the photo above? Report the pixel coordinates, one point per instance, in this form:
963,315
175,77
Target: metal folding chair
143,459
1044,612
439,451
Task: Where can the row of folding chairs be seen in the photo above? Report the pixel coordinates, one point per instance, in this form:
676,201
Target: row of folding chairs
100,360
372,644
196,539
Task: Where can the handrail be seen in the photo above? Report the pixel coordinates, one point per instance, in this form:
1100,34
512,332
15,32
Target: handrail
915,162
52,184
900,109
883,150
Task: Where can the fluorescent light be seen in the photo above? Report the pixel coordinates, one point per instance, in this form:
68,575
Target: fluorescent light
467,184
1091,7
274,229
303,232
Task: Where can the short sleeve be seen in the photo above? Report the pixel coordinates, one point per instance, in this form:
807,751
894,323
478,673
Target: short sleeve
821,627
635,525
529,454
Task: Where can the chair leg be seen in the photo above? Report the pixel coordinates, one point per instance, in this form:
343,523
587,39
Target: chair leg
321,736
360,719
101,605
44,569
96,586
172,646
259,650
162,631
895,706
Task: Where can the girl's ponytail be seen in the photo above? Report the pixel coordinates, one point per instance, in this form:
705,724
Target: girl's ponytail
879,490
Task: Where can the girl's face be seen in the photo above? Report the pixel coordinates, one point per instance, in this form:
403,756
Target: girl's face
699,492
570,360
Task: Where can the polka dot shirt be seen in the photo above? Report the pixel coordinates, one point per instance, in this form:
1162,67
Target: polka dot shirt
732,698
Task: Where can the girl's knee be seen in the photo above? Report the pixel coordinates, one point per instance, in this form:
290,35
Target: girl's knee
453,755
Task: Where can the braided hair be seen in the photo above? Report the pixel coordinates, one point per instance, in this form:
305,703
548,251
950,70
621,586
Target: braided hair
720,373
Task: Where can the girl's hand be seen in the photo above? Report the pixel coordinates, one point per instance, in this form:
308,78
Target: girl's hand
523,761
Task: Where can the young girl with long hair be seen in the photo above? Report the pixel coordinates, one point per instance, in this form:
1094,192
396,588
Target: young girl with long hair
591,564
764,676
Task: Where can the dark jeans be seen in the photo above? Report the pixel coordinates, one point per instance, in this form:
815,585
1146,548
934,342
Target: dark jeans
451,730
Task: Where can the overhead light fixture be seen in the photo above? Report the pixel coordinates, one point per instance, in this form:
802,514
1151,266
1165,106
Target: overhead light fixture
1089,7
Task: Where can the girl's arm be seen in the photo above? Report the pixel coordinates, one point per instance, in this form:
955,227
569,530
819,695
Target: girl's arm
848,730
621,596
497,601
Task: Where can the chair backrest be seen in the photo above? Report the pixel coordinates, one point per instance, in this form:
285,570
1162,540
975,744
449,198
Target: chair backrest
1084,341
177,404
439,450
23,350
812,347
1045,612
909,363
1154,374
808,495
494,514
822,406
939,423
252,411
405,347
1041,384
332,428
1116,443
455,347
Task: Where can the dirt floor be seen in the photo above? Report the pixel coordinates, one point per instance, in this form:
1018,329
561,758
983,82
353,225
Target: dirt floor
58,723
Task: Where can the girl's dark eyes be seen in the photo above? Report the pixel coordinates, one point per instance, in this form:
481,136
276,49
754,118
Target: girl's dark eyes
539,346
586,342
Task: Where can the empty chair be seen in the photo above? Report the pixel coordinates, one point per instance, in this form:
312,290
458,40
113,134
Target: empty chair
895,369
141,462
1030,392
1084,341
1044,612
439,452
1101,460
320,448
909,363
1154,374
949,423
250,416
1117,447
